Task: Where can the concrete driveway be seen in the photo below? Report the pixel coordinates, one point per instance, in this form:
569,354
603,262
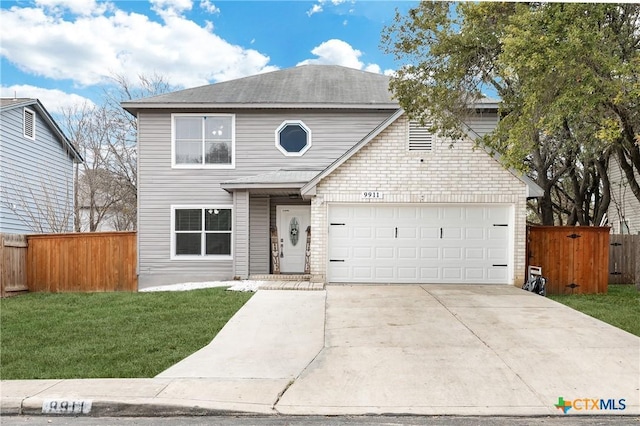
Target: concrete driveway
422,349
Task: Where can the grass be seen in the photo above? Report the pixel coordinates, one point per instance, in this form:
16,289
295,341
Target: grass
101,335
620,306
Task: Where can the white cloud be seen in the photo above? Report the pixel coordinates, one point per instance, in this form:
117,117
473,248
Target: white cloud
79,7
209,7
172,6
54,100
373,68
338,52
88,48
319,6
335,52
316,8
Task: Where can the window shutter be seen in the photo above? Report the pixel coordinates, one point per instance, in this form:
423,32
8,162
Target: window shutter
420,138
29,124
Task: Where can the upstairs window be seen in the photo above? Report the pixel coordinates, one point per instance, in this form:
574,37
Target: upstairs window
293,138
29,124
203,140
420,137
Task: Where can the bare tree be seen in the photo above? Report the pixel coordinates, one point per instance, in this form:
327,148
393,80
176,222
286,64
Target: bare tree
106,135
43,206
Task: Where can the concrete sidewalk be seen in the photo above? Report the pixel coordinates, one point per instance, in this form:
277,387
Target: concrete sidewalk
433,350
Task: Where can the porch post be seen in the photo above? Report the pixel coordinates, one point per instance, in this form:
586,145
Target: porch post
241,233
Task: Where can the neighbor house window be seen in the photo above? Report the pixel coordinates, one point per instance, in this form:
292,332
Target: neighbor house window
29,124
293,138
200,232
203,140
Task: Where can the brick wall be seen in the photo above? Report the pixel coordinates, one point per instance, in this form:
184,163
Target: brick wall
458,174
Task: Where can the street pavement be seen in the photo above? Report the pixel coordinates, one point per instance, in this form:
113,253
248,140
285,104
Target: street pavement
377,350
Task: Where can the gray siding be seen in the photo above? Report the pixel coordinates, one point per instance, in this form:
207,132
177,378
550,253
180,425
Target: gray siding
160,186
259,236
241,234
36,176
623,203
481,124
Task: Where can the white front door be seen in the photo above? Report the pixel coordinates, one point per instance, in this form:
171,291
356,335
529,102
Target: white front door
292,236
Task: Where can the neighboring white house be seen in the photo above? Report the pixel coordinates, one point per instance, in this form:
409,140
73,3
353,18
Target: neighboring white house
624,209
323,148
36,170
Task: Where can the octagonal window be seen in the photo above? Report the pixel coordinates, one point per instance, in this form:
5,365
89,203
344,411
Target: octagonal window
293,138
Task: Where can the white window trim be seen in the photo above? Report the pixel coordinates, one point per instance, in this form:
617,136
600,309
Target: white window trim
205,257
24,123
174,165
284,151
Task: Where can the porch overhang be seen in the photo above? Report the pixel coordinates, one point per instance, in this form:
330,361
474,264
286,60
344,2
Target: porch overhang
280,182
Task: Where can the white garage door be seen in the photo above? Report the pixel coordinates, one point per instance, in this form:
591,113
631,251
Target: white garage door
419,244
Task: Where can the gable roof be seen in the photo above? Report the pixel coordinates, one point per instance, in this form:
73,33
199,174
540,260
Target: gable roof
7,104
533,190
306,86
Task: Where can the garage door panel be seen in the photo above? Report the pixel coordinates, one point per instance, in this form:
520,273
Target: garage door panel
384,253
383,212
498,274
498,233
452,273
497,254
340,253
385,232
407,274
362,274
340,273
474,253
452,214
407,253
362,212
362,253
429,274
384,273
429,253
429,233
476,274
449,253
362,232
405,233
497,214
424,244
451,233
474,233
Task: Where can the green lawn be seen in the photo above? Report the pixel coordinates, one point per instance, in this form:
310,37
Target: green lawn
88,335
619,307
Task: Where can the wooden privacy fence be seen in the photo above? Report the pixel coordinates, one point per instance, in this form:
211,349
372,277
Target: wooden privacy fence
13,264
574,259
624,260
87,262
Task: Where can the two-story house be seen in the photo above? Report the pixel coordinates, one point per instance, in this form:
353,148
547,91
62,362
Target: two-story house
322,156
36,170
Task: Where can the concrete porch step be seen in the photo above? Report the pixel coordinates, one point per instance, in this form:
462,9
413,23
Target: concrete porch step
280,277
291,285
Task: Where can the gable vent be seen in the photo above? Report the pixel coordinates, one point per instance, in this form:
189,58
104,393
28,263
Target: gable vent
420,138
29,124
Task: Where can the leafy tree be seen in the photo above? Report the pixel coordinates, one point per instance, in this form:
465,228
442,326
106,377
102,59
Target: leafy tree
567,78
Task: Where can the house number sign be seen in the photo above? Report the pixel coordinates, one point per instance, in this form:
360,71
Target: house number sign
372,194
63,406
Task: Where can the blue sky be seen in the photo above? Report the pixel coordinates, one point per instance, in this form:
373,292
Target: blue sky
62,51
